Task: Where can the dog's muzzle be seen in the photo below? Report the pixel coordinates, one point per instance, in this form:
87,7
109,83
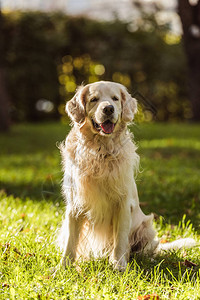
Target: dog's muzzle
107,126
108,110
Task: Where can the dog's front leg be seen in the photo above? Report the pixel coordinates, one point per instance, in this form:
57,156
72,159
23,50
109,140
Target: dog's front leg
121,229
72,227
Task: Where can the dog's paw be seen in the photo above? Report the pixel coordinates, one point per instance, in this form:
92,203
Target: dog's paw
120,264
62,265
66,261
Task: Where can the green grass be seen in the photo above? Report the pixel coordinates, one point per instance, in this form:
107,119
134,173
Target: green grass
31,209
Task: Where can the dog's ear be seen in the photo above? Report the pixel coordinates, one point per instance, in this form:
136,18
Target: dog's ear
75,107
129,106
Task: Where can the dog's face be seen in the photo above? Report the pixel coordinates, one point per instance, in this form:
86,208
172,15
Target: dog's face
104,105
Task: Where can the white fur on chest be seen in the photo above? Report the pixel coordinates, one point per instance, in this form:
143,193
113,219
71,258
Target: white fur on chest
97,180
97,194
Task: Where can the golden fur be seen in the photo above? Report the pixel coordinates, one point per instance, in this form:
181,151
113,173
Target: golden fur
103,216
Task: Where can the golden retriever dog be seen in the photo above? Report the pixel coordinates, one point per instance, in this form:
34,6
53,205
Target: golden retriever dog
103,216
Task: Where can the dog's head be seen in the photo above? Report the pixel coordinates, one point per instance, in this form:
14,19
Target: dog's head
104,105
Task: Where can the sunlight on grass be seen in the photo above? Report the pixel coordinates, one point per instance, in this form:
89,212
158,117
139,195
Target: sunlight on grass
179,143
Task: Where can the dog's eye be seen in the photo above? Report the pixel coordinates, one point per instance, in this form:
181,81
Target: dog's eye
115,98
95,99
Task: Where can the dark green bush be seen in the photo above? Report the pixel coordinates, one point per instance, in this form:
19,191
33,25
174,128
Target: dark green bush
48,55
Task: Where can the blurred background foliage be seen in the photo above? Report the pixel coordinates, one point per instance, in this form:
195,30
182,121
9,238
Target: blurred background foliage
47,55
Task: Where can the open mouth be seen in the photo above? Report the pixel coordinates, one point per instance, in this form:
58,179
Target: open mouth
107,127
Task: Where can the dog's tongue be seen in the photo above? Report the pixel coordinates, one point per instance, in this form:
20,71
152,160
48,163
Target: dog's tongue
107,126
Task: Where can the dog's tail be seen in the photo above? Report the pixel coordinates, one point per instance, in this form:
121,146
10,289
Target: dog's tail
176,245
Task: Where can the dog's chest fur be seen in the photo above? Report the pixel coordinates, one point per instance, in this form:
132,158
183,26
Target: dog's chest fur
101,174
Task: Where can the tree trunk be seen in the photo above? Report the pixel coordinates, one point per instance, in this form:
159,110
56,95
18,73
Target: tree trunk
4,104
190,18
4,98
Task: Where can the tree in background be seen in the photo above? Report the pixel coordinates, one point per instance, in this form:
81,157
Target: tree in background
190,18
47,55
4,99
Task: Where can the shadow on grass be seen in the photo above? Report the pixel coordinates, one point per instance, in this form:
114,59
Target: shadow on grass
49,190
174,265
171,152
33,138
167,268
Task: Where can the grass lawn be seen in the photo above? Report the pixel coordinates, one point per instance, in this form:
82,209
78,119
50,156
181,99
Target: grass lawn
31,209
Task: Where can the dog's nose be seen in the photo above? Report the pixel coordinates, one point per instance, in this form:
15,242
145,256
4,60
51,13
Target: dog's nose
108,110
